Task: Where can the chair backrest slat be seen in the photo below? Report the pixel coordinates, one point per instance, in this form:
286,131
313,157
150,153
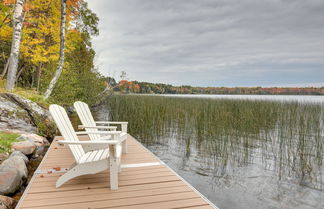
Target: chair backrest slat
86,118
65,127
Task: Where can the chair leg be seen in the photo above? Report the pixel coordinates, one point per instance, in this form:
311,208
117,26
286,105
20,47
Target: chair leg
82,169
124,146
72,173
113,164
119,165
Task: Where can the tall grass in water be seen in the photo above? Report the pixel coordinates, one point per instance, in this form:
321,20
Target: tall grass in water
286,137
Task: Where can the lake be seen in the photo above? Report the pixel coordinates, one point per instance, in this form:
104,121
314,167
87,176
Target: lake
240,151
281,98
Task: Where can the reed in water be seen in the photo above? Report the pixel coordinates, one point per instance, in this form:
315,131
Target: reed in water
286,137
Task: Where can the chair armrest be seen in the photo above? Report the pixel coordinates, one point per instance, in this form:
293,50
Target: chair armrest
98,132
111,122
98,127
123,124
113,145
110,142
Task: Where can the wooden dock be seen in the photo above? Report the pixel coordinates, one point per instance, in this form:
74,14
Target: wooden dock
145,182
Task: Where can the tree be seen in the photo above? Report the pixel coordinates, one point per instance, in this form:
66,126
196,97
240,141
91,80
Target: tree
62,47
39,52
6,31
79,79
41,36
123,75
15,46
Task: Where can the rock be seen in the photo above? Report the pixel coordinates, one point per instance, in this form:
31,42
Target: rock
18,163
33,109
20,154
40,151
39,141
25,147
3,156
3,206
7,202
70,109
14,117
13,131
22,114
10,180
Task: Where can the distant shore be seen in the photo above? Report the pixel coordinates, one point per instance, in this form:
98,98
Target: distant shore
125,86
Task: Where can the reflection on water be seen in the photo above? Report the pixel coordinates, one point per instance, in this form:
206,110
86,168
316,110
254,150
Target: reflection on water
238,153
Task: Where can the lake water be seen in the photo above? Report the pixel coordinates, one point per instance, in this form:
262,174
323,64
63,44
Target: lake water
282,98
240,151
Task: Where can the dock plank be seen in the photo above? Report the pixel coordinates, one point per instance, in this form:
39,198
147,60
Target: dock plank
154,186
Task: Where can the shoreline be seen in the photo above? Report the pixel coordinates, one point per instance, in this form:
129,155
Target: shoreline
30,130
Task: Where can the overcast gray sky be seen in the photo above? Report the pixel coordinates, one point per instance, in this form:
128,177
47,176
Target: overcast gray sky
212,42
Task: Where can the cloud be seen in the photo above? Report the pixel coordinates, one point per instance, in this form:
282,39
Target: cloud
212,42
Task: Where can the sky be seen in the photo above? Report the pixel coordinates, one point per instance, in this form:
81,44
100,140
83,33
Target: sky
212,42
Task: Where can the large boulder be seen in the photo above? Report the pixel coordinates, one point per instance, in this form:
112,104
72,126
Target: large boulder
3,156
10,180
12,116
20,113
39,141
3,206
21,155
7,202
17,162
25,147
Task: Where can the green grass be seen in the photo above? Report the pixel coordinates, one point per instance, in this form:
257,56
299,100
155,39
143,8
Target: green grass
6,139
30,94
33,96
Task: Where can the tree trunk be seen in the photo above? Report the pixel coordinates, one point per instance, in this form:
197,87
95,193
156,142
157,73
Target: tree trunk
61,62
4,20
15,46
5,68
39,75
19,72
33,78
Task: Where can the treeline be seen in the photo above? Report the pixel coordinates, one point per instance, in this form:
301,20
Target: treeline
39,49
159,88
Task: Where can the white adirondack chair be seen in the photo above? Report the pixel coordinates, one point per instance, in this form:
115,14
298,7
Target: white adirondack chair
88,162
90,125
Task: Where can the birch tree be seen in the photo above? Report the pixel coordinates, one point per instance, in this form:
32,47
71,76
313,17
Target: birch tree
62,47
15,46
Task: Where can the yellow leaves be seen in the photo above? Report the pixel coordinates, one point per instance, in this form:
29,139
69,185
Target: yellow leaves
5,18
73,37
41,34
5,33
41,29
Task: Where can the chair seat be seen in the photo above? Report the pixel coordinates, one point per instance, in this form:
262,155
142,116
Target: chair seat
99,155
94,156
